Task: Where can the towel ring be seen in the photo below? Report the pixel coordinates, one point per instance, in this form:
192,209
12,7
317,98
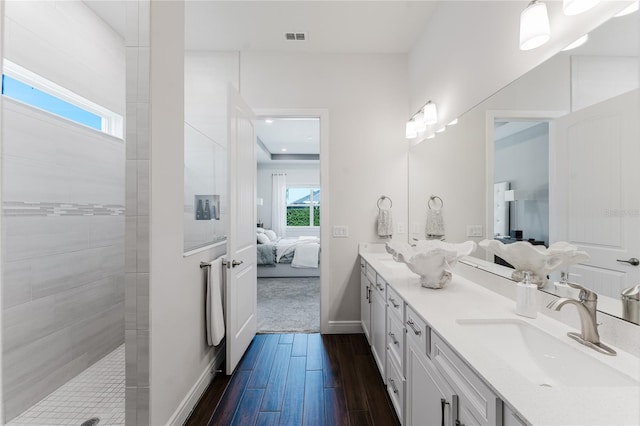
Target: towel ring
433,198
381,200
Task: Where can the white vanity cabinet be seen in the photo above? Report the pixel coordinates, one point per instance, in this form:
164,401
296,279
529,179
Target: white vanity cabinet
365,301
379,325
396,347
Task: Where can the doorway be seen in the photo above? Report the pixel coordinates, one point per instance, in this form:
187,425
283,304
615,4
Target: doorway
289,211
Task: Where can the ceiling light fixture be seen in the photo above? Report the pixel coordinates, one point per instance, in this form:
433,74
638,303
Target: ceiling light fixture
534,26
576,7
579,42
633,7
453,122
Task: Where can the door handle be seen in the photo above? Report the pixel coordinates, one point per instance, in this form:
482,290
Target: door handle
235,263
633,261
443,402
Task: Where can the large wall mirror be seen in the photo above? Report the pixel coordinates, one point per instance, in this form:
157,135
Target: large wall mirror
562,143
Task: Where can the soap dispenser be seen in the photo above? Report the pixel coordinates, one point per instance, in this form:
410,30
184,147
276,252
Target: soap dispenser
526,297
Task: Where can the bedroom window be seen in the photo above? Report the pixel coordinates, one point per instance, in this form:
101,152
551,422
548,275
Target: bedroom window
303,206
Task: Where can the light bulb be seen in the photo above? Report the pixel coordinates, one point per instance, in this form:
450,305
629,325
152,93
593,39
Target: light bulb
633,7
411,130
430,113
579,42
576,7
534,26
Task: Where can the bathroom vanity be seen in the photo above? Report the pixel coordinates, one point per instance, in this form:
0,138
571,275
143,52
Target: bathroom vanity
461,356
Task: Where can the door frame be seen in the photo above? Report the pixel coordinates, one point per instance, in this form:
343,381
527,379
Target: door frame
325,234
490,117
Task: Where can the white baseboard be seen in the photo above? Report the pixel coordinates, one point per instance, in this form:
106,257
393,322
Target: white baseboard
189,402
343,327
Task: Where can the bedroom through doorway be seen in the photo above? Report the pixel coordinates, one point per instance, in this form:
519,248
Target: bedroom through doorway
288,195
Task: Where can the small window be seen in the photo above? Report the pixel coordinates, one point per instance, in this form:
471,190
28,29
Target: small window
31,89
303,206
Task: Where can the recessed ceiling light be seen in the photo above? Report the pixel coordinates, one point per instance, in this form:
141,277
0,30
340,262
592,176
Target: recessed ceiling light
268,121
633,7
579,42
284,150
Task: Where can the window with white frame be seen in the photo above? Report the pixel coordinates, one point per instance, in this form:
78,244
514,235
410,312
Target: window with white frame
303,206
29,88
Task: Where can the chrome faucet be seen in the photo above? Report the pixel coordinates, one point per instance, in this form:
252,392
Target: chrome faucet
586,305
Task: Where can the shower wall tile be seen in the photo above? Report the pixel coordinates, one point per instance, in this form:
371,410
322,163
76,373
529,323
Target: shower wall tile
131,78
142,316
131,244
131,357
142,130
131,202
143,244
16,285
143,358
131,405
99,334
143,187
131,117
143,285
142,417
130,303
144,56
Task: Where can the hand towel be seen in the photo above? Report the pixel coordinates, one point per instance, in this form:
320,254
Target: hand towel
435,224
385,223
214,312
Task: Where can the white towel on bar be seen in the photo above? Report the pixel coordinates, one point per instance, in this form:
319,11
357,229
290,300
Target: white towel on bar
434,228
385,223
306,256
214,312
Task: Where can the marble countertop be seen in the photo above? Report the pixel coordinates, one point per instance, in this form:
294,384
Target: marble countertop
539,405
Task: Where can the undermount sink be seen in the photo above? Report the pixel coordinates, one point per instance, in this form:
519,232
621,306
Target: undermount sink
541,358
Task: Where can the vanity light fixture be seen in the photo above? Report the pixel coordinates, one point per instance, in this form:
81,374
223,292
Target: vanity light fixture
633,7
431,136
421,126
453,122
441,129
576,7
579,42
411,132
430,113
534,26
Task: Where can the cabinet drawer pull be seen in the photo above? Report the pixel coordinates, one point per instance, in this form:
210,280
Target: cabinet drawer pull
443,402
412,324
458,423
368,293
393,338
380,287
393,302
393,386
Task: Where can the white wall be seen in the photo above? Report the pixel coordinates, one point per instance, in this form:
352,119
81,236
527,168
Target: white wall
366,96
68,44
459,69
297,174
179,354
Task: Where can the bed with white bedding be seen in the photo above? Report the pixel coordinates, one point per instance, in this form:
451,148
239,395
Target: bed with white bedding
289,257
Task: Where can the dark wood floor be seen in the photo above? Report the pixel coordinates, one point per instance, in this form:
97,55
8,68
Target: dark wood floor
299,379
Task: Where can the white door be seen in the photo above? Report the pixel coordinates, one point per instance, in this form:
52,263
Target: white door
240,308
597,151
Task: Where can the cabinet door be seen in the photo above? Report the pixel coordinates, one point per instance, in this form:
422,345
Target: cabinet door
429,400
378,330
365,305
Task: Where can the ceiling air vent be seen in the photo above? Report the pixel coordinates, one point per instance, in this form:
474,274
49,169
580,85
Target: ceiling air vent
295,36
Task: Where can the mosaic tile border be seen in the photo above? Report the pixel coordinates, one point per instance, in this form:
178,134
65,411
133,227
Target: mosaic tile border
35,208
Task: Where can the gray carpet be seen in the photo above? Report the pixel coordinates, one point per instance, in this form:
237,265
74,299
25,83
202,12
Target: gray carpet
289,305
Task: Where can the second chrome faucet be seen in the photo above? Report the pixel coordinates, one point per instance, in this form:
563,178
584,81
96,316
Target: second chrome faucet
586,305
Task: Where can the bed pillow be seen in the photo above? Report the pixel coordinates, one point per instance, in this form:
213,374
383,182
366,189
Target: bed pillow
272,235
260,230
262,238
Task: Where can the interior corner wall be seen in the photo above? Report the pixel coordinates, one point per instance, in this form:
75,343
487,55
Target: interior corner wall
297,174
366,96
178,353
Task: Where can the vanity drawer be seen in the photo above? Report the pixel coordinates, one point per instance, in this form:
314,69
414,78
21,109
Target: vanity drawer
380,286
370,273
395,303
476,400
395,388
395,341
416,329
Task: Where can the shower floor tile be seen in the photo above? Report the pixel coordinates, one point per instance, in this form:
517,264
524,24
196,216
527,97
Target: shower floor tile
96,392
